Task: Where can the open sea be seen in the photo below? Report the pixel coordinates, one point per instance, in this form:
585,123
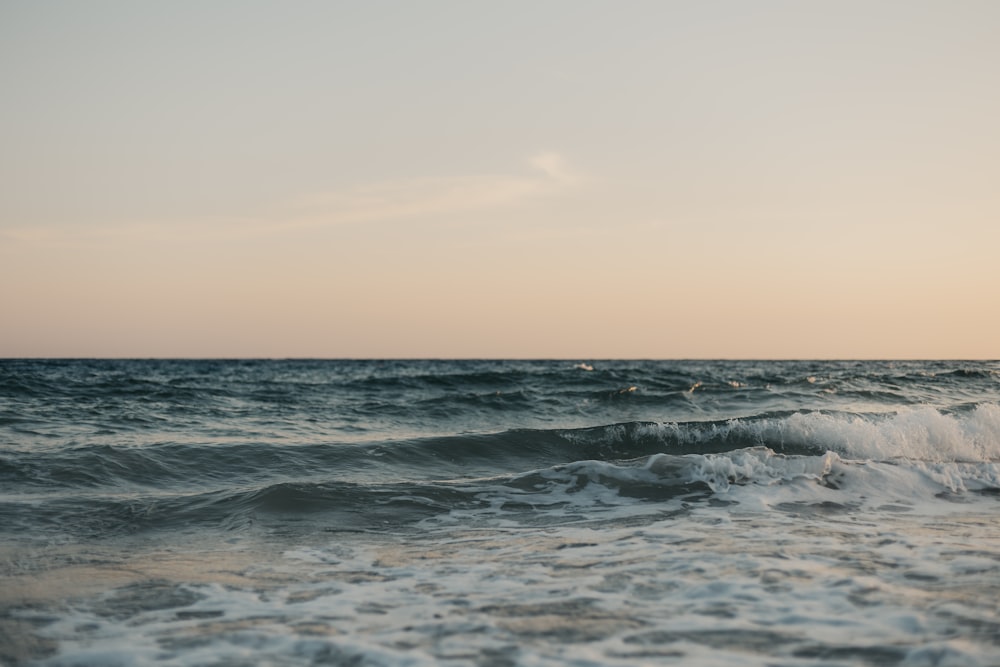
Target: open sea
298,512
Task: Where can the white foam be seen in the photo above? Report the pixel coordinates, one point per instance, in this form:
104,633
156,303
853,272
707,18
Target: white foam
708,588
922,433
757,465
918,433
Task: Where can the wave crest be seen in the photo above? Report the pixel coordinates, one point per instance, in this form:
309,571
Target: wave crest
920,433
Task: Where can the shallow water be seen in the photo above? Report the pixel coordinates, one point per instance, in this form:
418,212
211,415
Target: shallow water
504,513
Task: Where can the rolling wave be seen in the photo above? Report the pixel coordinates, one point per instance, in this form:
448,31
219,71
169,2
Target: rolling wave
581,490
968,435
842,457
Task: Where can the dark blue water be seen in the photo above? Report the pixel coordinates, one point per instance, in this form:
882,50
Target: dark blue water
120,479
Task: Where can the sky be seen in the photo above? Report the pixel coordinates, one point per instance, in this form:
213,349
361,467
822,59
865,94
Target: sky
543,179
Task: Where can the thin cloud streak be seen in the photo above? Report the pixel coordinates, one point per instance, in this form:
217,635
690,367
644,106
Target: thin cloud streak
373,203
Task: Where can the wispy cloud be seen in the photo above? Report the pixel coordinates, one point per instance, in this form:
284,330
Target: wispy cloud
556,168
550,174
547,174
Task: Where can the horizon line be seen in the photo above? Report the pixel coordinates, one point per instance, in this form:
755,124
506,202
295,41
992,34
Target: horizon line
487,358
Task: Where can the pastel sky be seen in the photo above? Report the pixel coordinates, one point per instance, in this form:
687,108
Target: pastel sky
553,178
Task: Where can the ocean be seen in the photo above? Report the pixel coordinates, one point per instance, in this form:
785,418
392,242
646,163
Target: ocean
309,512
